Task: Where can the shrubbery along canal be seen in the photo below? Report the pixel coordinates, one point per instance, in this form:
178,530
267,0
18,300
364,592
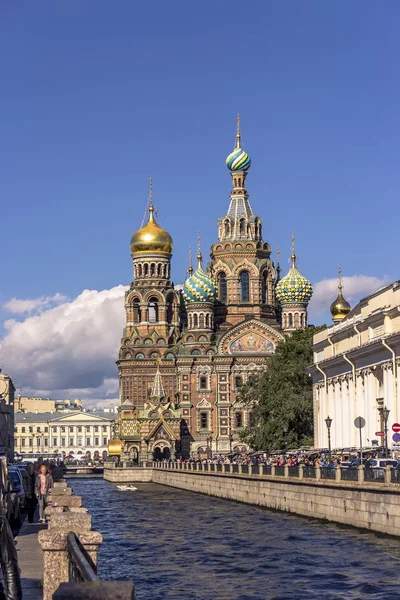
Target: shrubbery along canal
182,545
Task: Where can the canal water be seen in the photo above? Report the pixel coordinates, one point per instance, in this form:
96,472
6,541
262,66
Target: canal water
181,545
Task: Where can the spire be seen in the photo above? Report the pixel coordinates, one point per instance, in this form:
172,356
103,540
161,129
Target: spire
293,256
278,264
199,255
157,391
238,134
340,285
190,269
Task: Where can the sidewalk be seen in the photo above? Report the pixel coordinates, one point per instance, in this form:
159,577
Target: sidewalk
30,560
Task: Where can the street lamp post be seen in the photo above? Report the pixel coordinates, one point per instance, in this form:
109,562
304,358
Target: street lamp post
328,422
385,417
209,447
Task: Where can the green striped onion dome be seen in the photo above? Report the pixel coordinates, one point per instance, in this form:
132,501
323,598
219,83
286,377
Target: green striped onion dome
294,288
238,160
199,288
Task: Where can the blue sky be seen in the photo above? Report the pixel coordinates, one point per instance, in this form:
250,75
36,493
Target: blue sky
98,96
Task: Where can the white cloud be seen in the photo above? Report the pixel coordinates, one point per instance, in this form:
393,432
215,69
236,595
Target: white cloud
36,305
68,350
354,288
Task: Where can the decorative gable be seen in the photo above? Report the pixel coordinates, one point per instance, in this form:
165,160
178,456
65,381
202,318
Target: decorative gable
250,337
204,404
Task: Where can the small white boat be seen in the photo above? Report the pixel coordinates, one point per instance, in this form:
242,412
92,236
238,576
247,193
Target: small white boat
127,488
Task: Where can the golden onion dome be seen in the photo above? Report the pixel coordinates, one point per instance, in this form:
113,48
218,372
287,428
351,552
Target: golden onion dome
340,308
151,237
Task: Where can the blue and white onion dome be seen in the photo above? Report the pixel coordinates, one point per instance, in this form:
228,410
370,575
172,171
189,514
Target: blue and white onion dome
238,160
294,288
199,288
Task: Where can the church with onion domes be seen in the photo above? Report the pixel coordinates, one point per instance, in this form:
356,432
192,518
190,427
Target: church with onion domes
184,354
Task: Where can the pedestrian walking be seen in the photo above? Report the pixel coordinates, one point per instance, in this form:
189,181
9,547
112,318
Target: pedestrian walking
44,482
29,481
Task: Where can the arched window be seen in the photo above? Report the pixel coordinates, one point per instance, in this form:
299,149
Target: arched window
264,288
227,227
152,269
159,266
170,311
201,321
290,320
203,383
146,268
244,287
222,286
195,320
153,310
238,381
241,227
137,313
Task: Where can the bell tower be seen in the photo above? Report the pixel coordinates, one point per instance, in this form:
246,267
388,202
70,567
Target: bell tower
152,312
241,262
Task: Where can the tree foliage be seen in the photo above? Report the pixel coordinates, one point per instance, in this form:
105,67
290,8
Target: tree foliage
281,397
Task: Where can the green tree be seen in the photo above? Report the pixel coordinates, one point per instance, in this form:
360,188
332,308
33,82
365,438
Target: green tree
280,397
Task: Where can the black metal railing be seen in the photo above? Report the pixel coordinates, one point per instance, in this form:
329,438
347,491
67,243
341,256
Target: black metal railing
374,475
235,468
394,476
280,471
266,469
328,473
293,471
80,565
349,474
245,469
309,472
219,467
227,468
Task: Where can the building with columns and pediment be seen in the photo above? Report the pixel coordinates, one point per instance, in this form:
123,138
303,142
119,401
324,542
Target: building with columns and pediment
185,354
355,370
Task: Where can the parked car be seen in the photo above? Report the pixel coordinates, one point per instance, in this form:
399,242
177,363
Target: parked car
9,498
18,484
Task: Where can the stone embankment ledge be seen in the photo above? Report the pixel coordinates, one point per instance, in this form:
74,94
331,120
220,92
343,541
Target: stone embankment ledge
66,515
127,474
362,504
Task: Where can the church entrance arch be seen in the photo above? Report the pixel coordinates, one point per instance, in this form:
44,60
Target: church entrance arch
161,452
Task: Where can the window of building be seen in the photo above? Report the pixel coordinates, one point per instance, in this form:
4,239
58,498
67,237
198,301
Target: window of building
23,442
137,313
87,441
71,441
104,441
222,287
63,429
15,429
153,310
290,320
203,383
71,429
96,441
31,442
30,429
79,429
195,320
46,442
204,420
87,428
244,286
238,419
15,442
104,427
96,428
79,440
38,429
264,288
241,227
238,381
22,429
54,429
46,430
63,442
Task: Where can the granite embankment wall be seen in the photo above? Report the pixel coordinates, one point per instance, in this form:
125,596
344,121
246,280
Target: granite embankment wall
376,508
127,474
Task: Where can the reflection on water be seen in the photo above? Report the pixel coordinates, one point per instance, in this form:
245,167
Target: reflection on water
181,545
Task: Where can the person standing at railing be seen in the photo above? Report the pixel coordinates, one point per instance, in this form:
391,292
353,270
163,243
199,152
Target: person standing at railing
29,480
44,483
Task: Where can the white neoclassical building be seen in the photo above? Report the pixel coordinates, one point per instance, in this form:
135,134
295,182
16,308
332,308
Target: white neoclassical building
355,370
